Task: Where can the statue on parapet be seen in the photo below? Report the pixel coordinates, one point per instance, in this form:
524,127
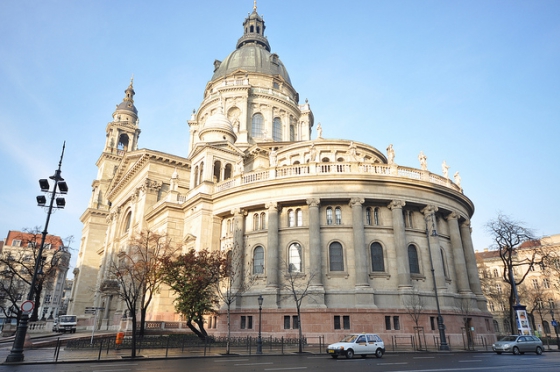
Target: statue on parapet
423,160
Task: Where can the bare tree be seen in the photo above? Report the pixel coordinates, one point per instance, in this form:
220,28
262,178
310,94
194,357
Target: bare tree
509,237
297,287
136,275
232,286
464,307
414,306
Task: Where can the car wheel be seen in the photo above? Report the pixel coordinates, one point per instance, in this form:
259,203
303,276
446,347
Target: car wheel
539,350
516,351
334,356
378,353
499,352
349,354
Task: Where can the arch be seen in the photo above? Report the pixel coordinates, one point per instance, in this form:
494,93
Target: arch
295,258
546,327
496,326
196,175
252,28
377,257
217,170
123,142
127,222
277,129
228,171
201,176
257,125
413,262
258,260
336,257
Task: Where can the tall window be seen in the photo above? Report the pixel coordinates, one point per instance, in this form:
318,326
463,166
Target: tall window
546,327
376,216
127,222
263,221
256,222
291,218
443,263
368,216
338,216
329,216
257,126
277,129
258,260
413,260
377,262
292,133
496,326
407,219
335,257
546,283
299,217
294,253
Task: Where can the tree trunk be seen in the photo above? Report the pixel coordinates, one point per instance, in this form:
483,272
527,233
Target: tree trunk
195,330
133,351
300,345
228,328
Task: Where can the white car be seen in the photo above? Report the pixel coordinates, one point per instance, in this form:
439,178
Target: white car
361,344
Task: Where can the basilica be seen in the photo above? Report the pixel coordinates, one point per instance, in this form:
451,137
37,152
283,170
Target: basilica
372,241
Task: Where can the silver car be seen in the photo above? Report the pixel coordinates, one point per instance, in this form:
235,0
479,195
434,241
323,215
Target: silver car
518,345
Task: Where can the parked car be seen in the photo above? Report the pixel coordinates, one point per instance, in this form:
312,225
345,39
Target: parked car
361,344
518,345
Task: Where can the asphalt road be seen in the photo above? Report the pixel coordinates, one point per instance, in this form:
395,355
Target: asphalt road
413,362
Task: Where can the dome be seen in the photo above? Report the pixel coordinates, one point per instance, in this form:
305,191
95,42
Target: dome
218,121
217,128
127,106
252,58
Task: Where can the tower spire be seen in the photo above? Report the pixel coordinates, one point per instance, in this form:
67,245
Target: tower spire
254,5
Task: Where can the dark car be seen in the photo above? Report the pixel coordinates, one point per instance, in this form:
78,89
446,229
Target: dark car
518,345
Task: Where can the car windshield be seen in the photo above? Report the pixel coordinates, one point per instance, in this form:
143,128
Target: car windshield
68,318
509,338
349,338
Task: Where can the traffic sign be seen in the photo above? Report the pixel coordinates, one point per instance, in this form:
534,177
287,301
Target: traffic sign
27,306
554,323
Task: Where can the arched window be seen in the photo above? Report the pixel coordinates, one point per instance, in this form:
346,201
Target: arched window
291,218
377,261
229,262
127,222
255,222
227,171
413,260
277,129
507,326
201,177
217,170
228,226
496,326
336,258
196,175
292,133
294,258
376,216
338,216
546,327
444,263
495,271
257,126
299,217
263,221
329,216
258,260
407,215
368,216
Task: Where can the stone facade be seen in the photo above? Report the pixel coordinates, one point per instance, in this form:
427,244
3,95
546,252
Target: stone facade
349,221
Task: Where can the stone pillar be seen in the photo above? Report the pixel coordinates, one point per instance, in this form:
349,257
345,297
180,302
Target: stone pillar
360,256
272,264
238,246
434,248
399,238
470,258
315,257
458,254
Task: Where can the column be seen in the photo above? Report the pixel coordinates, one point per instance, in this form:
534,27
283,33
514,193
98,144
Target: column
272,246
433,245
470,258
315,257
399,237
458,254
238,256
360,256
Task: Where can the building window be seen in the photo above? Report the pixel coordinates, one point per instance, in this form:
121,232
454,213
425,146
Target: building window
396,323
338,216
292,133
496,326
257,126
433,323
407,219
299,217
127,222
294,254
246,322
295,322
499,288
387,323
487,321
255,222
535,283
31,244
413,260
377,261
291,218
443,262
551,304
492,307
286,322
546,283
376,216
329,216
368,216
507,326
47,299
48,246
277,129
263,221
346,321
546,327
258,260
495,273
250,322
337,322
16,243
336,258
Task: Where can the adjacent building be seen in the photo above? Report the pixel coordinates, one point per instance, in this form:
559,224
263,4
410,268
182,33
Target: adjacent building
259,180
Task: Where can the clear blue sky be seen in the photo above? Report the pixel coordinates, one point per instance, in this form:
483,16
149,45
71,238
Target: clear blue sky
474,83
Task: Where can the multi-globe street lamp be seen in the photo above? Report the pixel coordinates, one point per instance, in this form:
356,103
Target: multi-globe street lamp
259,338
60,187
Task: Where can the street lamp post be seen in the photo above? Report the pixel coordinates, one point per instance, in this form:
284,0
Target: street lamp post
259,338
555,325
441,327
60,187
